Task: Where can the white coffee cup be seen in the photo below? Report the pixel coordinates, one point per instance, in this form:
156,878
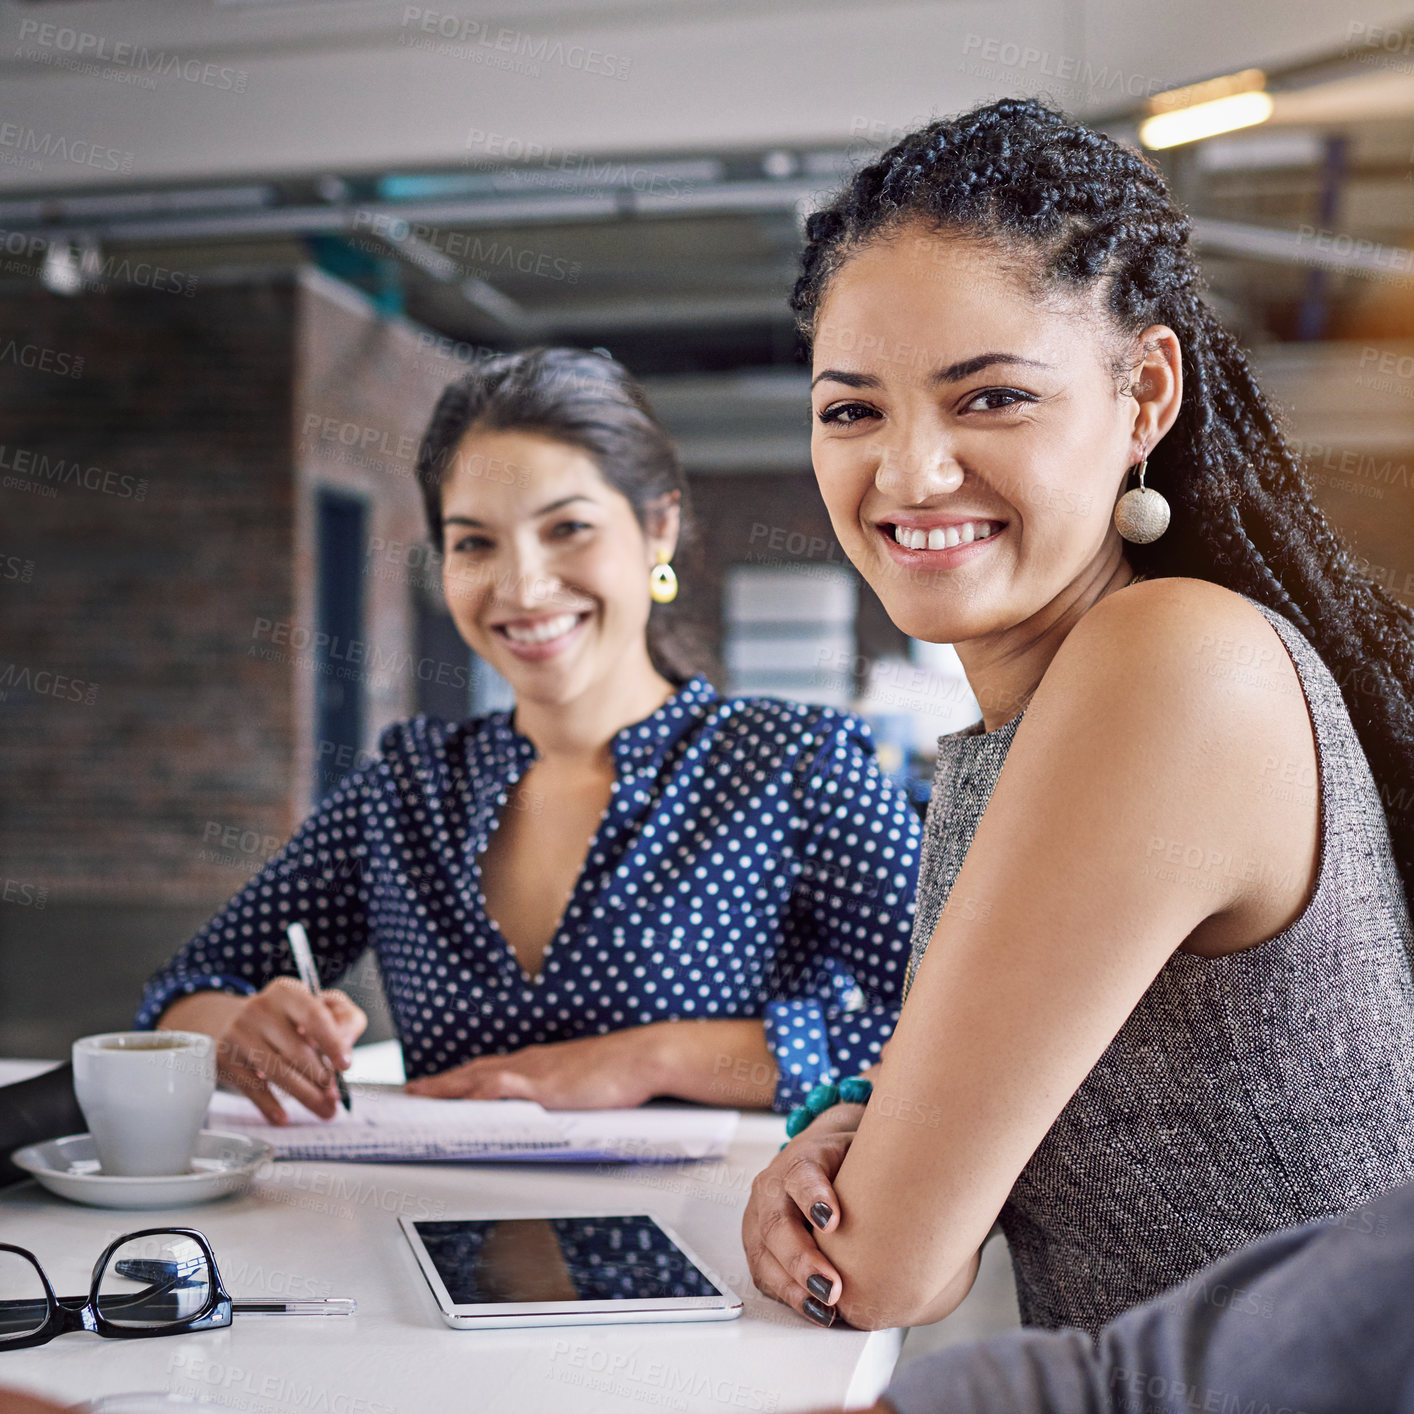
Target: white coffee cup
144,1095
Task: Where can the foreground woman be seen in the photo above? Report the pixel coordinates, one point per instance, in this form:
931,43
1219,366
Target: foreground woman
1161,1000
626,887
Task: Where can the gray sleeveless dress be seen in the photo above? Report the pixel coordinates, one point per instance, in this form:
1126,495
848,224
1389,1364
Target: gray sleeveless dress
1244,1093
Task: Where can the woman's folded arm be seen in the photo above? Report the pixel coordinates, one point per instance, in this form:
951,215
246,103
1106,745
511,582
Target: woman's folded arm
1066,923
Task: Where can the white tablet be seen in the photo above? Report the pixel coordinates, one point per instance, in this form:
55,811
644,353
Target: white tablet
556,1269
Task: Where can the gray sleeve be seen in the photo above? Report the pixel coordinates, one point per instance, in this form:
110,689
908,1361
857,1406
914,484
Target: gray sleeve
1297,1321
1016,1373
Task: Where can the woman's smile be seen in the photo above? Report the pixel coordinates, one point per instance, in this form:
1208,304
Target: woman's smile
538,639
937,541
971,482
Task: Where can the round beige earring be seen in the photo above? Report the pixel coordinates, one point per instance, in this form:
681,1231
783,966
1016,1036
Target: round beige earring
662,581
1142,515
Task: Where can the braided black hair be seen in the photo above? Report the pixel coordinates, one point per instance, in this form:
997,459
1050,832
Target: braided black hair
584,399
1088,211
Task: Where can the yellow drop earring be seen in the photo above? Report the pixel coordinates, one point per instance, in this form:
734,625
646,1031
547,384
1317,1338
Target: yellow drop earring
662,580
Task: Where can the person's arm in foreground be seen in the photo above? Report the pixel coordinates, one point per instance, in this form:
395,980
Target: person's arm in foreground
1054,930
1311,1319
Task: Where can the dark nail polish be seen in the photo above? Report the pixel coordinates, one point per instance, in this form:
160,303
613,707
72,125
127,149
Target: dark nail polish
818,1285
821,1315
820,1214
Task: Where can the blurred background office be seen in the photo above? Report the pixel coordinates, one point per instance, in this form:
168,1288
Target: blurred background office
244,244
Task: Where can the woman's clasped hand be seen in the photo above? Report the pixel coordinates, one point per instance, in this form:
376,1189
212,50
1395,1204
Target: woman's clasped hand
792,1198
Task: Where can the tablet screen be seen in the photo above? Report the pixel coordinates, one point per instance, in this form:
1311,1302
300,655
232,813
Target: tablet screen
484,1261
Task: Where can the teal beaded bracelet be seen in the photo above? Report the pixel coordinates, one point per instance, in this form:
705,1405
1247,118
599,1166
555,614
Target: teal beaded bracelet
855,1090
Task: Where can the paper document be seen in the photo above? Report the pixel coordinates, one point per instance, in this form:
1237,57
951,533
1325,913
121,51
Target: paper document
389,1126
653,1135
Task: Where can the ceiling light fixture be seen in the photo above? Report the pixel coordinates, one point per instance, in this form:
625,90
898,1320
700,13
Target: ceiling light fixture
1206,109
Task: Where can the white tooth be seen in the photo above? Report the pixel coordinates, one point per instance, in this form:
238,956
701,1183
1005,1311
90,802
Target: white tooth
950,536
984,529
966,533
935,539
900,536
543,632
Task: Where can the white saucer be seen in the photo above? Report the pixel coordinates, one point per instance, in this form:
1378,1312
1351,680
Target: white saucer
222,1165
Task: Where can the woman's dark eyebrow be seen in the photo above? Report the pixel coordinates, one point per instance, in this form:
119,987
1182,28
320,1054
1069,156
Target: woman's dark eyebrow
953,373
563,501
543,511
850,380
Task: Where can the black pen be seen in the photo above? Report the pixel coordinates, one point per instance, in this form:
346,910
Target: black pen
309,975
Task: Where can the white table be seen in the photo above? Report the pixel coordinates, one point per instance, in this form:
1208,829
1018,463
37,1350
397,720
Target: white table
310,1229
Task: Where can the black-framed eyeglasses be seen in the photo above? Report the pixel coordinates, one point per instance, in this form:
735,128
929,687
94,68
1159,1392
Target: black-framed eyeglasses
159,1281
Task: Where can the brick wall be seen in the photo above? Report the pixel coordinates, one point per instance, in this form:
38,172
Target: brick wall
156,493
168,528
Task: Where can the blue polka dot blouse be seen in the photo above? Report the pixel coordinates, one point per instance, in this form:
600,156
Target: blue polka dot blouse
753,861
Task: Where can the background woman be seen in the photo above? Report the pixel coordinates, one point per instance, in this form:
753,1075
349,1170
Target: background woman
627,886
1162,1001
